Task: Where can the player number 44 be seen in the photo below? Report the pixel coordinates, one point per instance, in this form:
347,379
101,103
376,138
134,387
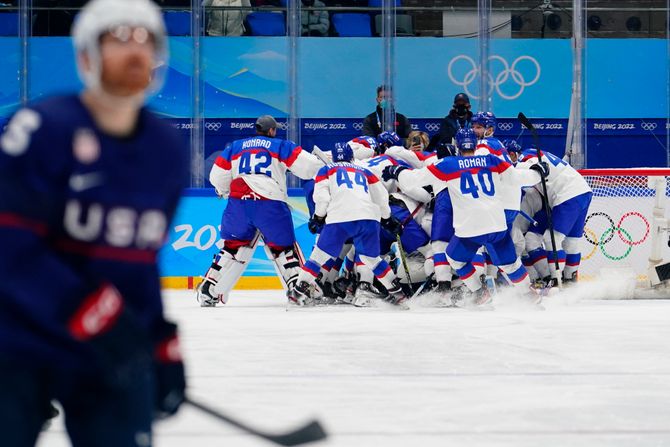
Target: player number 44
344,179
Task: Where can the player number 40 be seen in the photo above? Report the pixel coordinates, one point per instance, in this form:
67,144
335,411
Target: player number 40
483,181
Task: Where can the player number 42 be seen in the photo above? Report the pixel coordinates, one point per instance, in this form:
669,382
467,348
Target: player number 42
471,184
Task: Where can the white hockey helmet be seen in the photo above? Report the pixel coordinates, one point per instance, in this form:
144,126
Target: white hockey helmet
100,16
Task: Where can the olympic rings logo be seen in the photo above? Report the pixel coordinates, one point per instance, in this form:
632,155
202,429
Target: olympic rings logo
505,126
358,126
432,127
283,125
213,126
607,235
501,79
648,126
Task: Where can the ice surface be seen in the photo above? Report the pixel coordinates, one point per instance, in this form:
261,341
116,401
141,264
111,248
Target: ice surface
581,373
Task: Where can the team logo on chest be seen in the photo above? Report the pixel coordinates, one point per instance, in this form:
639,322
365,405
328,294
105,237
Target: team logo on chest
85,146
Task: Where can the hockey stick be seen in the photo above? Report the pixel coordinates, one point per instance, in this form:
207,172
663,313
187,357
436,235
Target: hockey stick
401,250
545,201
311,432
532,221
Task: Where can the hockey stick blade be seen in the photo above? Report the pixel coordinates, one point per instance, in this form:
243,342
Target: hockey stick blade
311,432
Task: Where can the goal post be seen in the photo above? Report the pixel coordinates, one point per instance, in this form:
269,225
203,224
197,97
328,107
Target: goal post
626,230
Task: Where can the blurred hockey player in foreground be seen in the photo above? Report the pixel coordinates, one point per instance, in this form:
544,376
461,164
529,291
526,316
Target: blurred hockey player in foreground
350,201
251,173
84,208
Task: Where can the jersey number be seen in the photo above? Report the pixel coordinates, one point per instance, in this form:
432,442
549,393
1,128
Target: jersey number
344,179
485,180
257,162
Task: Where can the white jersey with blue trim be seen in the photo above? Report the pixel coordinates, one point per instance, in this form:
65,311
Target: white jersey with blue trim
474,185
511,197
563,183
345,192
261,163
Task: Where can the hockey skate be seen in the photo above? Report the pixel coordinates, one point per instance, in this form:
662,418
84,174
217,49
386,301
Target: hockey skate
533,298
328,296
366,295
206,296
344,288
397,296
479,299
300,295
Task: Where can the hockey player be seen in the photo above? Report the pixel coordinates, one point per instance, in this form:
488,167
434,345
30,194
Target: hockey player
350,201
569,197
251,173
84,209
474,184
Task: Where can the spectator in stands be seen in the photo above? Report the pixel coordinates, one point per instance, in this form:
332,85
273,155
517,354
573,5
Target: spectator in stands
315,22
226,23
459,117
417,141
373,123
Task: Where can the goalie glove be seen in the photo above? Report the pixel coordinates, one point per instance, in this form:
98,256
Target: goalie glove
316,224
392,225
541,168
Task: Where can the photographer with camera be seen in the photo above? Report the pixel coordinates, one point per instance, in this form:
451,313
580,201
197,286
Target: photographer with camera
459,117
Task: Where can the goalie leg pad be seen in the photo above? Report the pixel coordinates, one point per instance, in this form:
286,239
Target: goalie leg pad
231,266
287,265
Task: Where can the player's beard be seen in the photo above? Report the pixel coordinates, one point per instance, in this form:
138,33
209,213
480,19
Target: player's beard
126,79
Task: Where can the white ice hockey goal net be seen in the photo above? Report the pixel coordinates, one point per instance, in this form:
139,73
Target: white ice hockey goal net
625,226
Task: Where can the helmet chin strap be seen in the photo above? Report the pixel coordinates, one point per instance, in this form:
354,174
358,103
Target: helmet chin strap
488,132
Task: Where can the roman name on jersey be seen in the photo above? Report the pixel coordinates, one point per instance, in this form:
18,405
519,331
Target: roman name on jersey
473,162
118,226
257,142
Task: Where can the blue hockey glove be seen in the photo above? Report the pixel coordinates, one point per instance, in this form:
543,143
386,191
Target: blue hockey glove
386,140
316,224
392,225
541,168
169,372
392,172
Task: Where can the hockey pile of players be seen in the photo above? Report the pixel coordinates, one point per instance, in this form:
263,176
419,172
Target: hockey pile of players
393,223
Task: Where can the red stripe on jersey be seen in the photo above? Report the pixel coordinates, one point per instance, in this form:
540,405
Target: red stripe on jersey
254,151
371,178
293,157
437,173
11,220
500,167
222,163
320,178
239,189
106,252
423,156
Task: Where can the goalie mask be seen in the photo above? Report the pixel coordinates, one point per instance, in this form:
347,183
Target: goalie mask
118,16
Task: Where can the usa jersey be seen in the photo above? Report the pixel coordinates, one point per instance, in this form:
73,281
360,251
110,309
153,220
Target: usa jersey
79,207
346,192
510,197
474,185
258,165
563,183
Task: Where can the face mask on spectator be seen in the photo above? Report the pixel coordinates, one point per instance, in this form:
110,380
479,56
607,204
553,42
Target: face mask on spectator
383,104
461,109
